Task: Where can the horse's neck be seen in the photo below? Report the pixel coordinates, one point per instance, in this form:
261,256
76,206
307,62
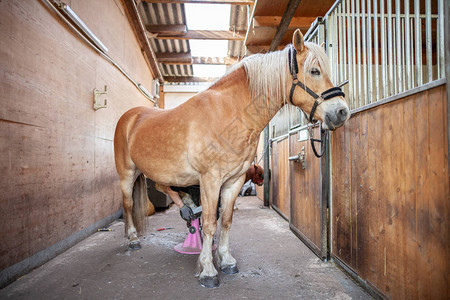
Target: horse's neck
255,114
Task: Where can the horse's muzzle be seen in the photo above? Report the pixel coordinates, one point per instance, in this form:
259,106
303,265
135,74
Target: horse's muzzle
337,119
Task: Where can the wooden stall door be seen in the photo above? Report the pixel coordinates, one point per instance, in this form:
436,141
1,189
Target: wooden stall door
279,177
307,213
390,203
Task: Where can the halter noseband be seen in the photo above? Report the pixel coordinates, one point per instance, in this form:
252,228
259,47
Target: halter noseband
328,94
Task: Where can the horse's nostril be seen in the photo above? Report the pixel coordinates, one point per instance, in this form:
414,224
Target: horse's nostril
342,113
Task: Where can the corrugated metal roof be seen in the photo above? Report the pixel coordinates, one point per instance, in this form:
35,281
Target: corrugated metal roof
174,14
167,14
238,22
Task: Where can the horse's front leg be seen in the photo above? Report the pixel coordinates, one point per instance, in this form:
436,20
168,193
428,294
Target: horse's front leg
209,193
230,191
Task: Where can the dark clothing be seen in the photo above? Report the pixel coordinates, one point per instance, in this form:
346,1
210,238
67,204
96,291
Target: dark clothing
193,190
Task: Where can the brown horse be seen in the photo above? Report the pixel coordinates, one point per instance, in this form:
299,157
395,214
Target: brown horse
211,139
256,174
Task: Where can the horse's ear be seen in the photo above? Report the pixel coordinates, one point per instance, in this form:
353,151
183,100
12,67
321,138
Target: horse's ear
297,41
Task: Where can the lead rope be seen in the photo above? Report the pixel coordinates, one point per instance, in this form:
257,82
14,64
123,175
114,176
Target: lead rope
323,141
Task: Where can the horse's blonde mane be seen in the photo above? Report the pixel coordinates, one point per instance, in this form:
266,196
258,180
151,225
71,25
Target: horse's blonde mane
268,74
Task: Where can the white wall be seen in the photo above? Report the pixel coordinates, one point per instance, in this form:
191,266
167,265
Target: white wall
172,100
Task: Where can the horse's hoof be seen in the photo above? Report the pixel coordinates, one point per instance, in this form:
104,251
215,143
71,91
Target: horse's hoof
230,270
134,245
209,281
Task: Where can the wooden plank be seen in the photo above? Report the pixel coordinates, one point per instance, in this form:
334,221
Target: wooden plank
167,30
280,176
202,35
284,23
394,169
274,21
422,190
167,57
214,60
189,79
345,248
354,188
187,59
341,184
274,176
438,208
307,8
315,194
285,167
362,199
370,240
232,2
410,223
336,162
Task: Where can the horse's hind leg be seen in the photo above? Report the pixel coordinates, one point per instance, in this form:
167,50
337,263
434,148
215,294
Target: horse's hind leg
230,191
127,181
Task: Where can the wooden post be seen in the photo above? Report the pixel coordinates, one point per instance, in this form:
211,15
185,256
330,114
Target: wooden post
266,166
447,71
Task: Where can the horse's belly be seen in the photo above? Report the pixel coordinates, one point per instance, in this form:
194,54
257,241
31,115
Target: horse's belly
168,172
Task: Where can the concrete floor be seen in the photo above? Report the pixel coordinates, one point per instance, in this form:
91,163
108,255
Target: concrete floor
273,264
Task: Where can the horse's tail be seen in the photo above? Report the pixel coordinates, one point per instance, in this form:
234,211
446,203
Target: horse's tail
140,203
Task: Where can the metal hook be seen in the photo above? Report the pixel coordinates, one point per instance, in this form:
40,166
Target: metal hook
97,94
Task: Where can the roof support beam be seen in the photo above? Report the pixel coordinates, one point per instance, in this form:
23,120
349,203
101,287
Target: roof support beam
188,79
186,59
169,32
274,21
233,2
174,58
284,23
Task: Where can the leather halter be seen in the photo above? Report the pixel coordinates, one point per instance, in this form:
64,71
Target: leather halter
328,94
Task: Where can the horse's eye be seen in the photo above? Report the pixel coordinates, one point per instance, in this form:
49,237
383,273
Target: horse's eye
315,72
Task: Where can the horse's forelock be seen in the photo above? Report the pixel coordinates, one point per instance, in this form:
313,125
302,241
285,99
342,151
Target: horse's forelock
316,56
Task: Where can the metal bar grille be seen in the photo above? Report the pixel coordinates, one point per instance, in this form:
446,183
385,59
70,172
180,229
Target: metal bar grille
385,47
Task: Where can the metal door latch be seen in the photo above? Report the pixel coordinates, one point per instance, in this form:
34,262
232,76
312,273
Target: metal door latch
300,157
97,94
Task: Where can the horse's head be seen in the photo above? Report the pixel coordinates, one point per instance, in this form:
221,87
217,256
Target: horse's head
312,90
258,175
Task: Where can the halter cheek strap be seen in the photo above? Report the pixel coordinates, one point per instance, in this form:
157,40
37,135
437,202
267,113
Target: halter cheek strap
328,94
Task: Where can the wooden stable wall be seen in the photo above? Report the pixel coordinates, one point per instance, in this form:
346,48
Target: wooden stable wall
306,194
280,177
390,203
57,161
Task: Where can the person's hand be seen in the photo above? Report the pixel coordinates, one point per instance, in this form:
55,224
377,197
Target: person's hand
186,213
